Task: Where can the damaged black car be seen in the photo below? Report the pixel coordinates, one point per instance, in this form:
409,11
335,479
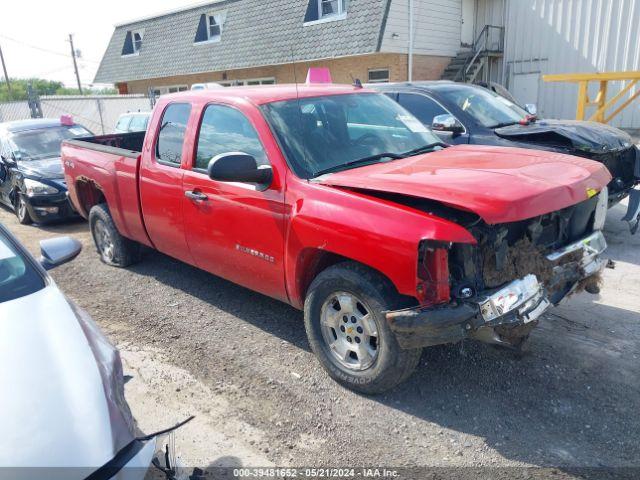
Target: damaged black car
462,113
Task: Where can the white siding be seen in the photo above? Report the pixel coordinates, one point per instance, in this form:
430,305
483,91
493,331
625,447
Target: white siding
436,27
571,36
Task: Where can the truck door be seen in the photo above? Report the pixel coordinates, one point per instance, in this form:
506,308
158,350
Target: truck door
234,230
161,182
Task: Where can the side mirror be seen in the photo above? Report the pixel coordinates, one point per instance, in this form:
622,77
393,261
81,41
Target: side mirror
531,108
239,167
57,251
446,123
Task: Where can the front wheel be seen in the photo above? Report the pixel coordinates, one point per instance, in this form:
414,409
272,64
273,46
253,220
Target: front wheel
349,333
22,212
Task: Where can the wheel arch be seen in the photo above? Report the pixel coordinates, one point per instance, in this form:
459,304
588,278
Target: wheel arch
88,194
311,262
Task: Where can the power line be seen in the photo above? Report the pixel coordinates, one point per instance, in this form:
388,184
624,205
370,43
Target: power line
46,50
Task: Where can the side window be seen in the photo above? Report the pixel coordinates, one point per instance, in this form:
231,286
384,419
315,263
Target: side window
423,108
225,129
172,129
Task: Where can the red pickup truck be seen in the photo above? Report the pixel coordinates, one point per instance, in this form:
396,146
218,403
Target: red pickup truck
338,201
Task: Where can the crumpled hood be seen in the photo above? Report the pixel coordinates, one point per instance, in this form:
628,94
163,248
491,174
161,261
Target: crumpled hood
62,404
499,184
572,134
48,168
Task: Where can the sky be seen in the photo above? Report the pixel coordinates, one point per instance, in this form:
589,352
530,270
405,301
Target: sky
34,34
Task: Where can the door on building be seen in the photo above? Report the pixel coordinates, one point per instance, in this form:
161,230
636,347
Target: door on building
467,28
524,87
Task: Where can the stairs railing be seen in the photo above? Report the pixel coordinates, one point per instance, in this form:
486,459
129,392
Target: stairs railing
490,40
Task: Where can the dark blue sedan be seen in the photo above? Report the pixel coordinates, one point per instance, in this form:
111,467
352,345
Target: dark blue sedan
31,175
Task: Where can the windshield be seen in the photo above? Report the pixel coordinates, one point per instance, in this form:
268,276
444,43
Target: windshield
488,108
323,133
43,143
17,276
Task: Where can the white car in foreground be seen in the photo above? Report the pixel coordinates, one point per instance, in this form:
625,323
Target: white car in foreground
63,412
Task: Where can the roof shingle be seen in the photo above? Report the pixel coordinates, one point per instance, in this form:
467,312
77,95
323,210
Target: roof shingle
255,33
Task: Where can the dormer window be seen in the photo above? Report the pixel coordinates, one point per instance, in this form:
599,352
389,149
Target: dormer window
321,11
210,27
214,28
137,40
132,42
328,8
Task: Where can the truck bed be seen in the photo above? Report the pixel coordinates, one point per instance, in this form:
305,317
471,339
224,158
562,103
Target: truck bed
127,144
105,168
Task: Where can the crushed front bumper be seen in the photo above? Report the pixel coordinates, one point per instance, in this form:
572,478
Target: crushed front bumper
516,305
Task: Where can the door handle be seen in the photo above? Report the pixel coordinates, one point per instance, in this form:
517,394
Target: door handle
195,195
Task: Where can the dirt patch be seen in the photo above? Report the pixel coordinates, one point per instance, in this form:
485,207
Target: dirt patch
522,258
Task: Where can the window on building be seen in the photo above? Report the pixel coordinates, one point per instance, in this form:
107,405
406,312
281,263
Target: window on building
171,137
210,27
380,75
133,42
328,8
137,40
157,91
250,81
325,10
223,130
423,108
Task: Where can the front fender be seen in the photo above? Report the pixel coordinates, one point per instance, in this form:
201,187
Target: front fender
378,233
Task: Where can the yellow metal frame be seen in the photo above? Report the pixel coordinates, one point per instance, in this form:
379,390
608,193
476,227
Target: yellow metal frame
601,102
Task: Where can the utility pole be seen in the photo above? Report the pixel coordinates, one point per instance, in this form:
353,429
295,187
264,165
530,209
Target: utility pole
4,68
75,64
410,62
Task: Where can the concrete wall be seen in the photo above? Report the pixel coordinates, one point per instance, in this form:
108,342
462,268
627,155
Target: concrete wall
343,70
570,36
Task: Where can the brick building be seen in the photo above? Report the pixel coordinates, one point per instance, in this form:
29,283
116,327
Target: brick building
256,42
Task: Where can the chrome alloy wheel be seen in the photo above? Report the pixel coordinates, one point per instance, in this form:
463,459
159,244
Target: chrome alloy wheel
350,331
104,241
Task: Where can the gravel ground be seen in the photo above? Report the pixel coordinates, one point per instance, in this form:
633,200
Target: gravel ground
196,344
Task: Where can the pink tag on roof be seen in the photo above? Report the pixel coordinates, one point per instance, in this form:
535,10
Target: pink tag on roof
319,75
66,120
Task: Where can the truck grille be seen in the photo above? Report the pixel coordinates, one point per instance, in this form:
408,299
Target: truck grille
509,251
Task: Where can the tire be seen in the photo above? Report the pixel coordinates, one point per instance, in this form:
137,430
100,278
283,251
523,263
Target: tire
22,212
376,363
113,248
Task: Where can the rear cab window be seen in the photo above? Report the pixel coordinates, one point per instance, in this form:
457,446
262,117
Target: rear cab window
18,277
225,129
173,127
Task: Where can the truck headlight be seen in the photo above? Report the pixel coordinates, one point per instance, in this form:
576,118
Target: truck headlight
34,187
601,209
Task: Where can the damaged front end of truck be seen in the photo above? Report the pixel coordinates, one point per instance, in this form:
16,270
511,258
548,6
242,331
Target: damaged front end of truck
496,290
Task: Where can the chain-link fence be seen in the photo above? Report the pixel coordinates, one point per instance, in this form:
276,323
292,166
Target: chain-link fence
98,113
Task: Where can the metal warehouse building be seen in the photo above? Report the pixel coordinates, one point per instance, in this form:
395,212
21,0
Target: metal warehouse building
566,36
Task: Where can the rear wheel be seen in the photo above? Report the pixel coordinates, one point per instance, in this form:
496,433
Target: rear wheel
22,212
349,333
113,248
